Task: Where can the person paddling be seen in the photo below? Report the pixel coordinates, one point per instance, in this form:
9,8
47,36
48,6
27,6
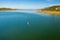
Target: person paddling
28,23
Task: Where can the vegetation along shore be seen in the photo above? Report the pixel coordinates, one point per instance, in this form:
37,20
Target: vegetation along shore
50,10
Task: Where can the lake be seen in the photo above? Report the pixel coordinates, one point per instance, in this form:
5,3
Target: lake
28,25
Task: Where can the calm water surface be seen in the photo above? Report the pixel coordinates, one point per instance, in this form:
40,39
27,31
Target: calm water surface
13,26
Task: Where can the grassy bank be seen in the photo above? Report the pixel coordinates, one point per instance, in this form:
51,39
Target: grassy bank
51,10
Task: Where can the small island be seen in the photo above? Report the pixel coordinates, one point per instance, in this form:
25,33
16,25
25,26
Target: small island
50,10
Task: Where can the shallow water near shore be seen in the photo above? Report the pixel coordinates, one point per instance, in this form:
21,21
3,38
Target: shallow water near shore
13,26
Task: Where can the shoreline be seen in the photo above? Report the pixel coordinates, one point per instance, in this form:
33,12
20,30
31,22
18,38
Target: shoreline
49,12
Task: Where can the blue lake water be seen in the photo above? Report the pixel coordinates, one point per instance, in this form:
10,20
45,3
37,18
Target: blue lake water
13,26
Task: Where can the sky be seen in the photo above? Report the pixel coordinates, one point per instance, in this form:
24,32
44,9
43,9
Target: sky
28,4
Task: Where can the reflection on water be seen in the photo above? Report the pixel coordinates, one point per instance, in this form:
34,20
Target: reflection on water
13,26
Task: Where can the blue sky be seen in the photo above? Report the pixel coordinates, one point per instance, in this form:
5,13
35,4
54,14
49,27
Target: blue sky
28,4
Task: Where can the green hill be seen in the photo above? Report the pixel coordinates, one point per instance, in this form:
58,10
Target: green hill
53,8
7,9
